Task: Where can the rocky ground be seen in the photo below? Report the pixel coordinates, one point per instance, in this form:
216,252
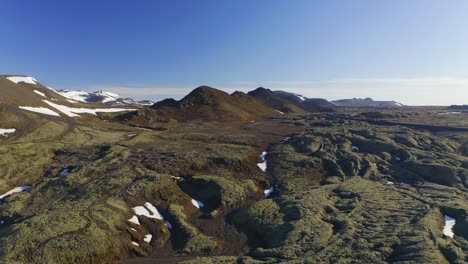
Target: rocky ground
343,191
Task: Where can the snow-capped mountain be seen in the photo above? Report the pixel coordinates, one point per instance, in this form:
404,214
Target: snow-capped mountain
20,94
100,97
367,102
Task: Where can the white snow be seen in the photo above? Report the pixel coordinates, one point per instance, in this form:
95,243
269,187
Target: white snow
397,158
108,96
154,211
390,183
135,243
25,79
197,204
286,139
149,211
447,113
300,97
40,110
4,131
263,165
72,112
2,222
269,191
133,229
83,96
148,238
279,112
39,93
64,172
134,220
74,95
181,179
449,224
355,148
15,190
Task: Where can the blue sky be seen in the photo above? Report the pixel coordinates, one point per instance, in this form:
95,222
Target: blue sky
414,51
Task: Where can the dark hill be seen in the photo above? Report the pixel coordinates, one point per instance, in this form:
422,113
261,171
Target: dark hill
305,104
203,103
283,104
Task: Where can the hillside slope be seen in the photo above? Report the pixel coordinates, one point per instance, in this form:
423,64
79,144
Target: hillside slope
283,104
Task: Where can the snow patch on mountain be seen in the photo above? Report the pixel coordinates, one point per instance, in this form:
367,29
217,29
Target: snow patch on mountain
39,93
100,97
79,96
22,79
40,110
4,131
72,112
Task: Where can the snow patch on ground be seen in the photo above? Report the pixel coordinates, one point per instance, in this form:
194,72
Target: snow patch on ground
449,224
134,220
4,131
64,172
154,211
24,79
133,229
263,165
286,139
181,179
355,148
149,211
390,183
148,238
279,112
269,191
197,204
72,112
39,93
40,110
135,243
15,190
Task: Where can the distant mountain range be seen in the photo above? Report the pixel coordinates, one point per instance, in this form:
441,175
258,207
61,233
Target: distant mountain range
367,102
101,97
204,103
210,104
355,102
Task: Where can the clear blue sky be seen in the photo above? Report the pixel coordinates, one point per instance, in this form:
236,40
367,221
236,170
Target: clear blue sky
155,48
